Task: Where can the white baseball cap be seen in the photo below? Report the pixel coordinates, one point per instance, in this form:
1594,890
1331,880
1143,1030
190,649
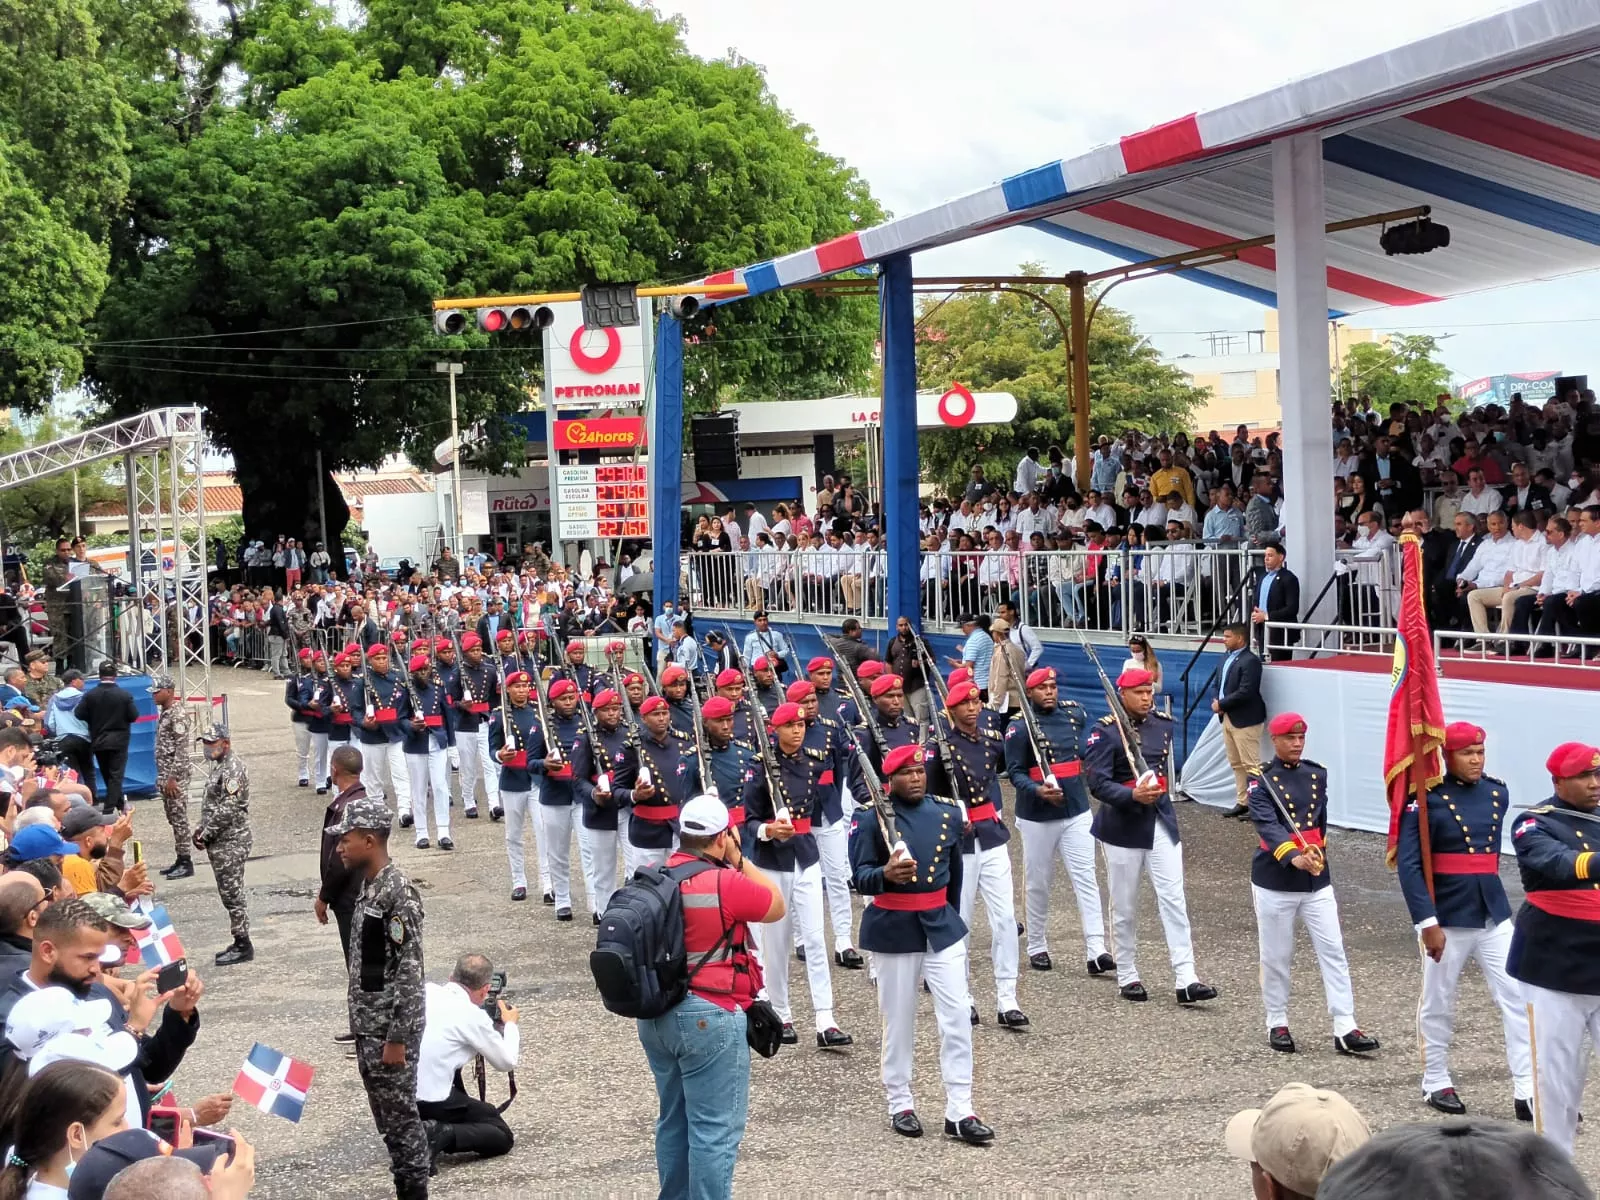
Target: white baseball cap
113,1051
41,1016
703,816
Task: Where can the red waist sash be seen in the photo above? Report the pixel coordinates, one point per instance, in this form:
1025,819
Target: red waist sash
343,718
983,812
518,759
1311,837
385,714
656,812
478,706
1579,905
1060,770
433,721
1466,864
564,771
736,815
826,778
801,824
911,901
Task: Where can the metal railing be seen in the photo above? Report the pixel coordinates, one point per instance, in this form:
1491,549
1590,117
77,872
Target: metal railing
803,584
1312,640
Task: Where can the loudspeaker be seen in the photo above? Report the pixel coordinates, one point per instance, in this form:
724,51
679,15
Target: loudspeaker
716,446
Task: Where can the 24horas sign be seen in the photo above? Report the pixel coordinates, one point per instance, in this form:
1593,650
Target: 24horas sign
598,433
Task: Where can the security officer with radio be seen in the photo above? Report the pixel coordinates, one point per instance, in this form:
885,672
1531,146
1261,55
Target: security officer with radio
914,931
1464,914
1053,817
1555,946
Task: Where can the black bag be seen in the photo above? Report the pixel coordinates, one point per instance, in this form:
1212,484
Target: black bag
763,1028
639,962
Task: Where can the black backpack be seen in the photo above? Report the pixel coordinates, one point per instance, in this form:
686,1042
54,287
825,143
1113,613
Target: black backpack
639,962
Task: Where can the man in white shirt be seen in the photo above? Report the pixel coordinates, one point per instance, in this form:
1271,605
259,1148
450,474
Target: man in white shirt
1480,499
1490,564
756,521
455,1030
1521,579
1097,508
1027,472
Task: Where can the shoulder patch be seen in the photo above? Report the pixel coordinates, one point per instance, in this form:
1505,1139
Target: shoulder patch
397,931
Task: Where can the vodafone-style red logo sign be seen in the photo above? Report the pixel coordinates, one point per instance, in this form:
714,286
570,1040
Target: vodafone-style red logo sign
957,407
595,364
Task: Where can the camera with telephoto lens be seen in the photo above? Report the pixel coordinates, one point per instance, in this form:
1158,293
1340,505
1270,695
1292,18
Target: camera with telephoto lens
491,1002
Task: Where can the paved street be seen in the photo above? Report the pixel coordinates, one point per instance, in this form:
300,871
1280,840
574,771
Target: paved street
1099,1098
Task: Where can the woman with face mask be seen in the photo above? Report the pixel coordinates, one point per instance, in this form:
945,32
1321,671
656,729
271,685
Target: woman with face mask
63,1110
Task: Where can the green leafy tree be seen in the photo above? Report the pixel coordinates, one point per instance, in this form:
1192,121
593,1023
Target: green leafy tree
283,246
1008,342
1403,369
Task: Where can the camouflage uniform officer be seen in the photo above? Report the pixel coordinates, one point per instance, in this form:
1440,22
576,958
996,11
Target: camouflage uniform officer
386,1005
173,769
224,835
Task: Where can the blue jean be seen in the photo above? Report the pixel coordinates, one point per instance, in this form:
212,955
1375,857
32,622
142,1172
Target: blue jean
701,1061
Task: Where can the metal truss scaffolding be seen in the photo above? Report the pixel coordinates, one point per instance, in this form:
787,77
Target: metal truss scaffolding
162,459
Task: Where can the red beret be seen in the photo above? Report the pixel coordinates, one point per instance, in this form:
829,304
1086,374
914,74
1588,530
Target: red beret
352,648
419,662
1285,723
761,664
518,677
651,703
527,635
1135,677
1458,735
672,674
900,758
504,633
632,677
799,690
339,659
398,636
729,677
574,644
717,706
885,683
959,675
786,714
470,640
870,669
305,655
614,647
377,649
561,687
605,697
419,645
1572,758
820,662
960,694
1041,676
442,644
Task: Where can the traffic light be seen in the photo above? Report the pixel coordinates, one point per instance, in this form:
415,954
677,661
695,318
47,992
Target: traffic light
514,318
1414,237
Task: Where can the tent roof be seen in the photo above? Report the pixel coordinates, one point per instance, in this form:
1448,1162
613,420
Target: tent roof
1495,124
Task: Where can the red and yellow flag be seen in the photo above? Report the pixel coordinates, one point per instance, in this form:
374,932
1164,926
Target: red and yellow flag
1412,759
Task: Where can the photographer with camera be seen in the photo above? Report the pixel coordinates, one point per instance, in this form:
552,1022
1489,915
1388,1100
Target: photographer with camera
458,1026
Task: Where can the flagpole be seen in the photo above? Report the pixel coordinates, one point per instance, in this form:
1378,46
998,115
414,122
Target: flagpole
1419,781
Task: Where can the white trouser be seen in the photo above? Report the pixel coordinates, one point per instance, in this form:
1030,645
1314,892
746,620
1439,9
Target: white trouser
654,858
429,772
1164,863
555,849
517,805
454,755
302,748
599,847
1557,1024
802,892
394,756
1436,1011
1042,842
833,844
375,771
1319,912
989,872
476,763
625,849
946,974
319,760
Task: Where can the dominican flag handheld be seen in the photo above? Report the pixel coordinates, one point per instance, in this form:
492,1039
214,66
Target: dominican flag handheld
159,945
273,1082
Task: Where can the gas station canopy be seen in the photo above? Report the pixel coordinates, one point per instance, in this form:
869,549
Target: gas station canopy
1494,124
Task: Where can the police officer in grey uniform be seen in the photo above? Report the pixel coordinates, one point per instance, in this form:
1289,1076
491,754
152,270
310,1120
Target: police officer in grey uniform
386,997
224,834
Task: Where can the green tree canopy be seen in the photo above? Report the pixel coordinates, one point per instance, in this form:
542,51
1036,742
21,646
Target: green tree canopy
1403,369
1008,342
284,241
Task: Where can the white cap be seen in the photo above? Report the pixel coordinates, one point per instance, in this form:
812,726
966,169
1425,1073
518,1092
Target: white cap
703,816
113,1051
41,1016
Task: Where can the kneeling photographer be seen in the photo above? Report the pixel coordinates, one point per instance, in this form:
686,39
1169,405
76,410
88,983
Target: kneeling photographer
456,1028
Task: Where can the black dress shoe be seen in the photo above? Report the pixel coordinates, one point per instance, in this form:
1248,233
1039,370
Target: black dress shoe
305,783
496,813
1040,961
1238,810
906,1124
1525,1111
1133,991
422,843
405,820
519,893
322,791
549,897
596,918
976,1019
969,1130
1447,1102
1355,1042
446,844
1021,929
1104,964
240,952
832,1038
1012,1018
471,814
1281,1040
1195,992
181,869
563,914
789,1037
849,959
800,953
345,1039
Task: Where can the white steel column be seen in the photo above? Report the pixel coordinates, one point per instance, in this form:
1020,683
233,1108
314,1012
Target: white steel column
1303,390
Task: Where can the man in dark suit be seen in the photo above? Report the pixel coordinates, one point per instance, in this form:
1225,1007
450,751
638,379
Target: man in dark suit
1392,480
1276,593
1239,470
492,622
1436,547
1450,612
1522,492
1241,710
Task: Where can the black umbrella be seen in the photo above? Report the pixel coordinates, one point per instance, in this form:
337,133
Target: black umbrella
640,581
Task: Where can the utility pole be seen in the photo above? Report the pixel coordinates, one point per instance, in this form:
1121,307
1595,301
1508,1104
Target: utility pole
452,369
322,522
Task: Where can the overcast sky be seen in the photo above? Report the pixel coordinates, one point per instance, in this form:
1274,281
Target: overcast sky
929,99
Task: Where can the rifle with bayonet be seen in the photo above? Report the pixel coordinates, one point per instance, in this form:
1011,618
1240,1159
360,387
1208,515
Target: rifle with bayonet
1119,717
